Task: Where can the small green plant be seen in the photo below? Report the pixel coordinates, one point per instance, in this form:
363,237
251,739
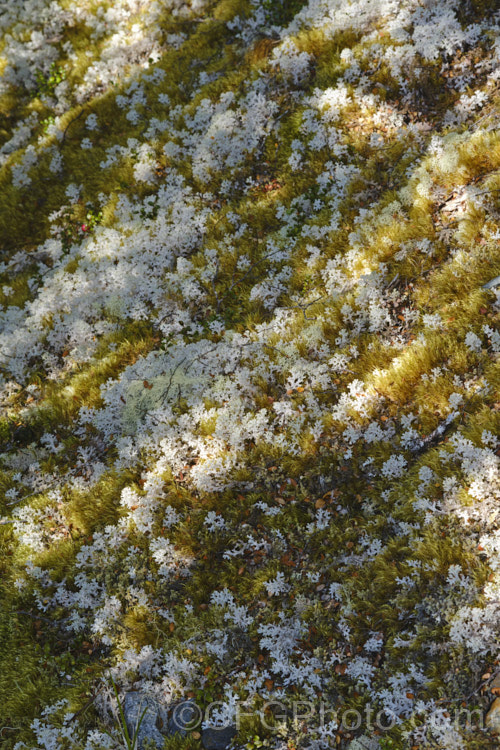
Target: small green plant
256,742
94,217
47,122
70,227
387,744
46,84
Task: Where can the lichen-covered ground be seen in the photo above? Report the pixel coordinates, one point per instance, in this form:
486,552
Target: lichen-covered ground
250,370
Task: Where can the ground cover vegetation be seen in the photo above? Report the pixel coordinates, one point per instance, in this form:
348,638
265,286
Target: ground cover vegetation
249,376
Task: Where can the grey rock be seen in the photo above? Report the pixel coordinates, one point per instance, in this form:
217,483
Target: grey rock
134,704
495,681
492,284
164,720
217,739
183,718
364,743
493,716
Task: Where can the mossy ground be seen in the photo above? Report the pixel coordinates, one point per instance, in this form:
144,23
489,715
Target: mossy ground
401,212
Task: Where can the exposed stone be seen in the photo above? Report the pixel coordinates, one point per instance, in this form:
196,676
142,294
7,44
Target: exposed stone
493,716
184,717
492,284
134,704
494,684
163,720
217,739
364,743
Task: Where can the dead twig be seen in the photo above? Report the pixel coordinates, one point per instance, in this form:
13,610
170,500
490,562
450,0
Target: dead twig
69,125
84,708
